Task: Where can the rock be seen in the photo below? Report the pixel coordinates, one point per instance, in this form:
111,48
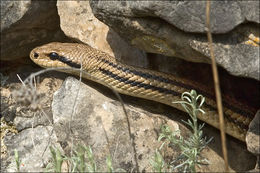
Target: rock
27,24
33,148
253,139
99,121
253,135
78,22
188,16
171,29
25,114
33,127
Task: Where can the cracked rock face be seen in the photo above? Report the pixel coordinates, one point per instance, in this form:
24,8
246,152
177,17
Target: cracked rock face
90,117
174,28
27,24
78,22
253,135
98,121
178,29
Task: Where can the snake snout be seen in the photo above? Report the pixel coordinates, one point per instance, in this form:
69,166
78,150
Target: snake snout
34,54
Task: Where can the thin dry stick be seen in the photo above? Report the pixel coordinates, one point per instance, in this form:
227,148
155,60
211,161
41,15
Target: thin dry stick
217,88
74,109
129,128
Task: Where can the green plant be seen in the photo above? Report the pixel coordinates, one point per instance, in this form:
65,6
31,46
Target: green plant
91,167
192,146
17,160
82,160
110,166
157,162
57,159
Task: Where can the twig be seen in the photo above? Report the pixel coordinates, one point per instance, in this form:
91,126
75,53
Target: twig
20,79
74,108
217,88
129,128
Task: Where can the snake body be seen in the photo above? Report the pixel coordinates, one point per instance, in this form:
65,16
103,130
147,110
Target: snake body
139,82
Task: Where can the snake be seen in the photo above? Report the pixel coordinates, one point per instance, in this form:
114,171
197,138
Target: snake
157,86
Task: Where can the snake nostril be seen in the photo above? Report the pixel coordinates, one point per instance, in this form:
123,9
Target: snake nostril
35,55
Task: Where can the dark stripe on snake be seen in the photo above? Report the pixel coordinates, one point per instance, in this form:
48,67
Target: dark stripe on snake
165,91
162,79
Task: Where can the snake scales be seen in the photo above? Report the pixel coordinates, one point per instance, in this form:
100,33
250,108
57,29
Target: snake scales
140,82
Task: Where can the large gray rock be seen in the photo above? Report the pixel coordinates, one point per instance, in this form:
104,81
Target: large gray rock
98,121
78,22
27,24
171,28
34,127
33,148
253,139
12,11
253,135
188,16
87,116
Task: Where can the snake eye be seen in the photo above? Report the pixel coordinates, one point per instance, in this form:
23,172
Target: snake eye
53,56
35,55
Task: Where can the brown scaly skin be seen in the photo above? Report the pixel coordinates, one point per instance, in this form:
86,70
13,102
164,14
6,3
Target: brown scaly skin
164,88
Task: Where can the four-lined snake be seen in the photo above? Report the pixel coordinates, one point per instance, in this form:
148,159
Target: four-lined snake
139,82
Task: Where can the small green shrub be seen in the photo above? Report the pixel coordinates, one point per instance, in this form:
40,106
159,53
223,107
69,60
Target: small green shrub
82,160
157,162
56,162
17,160
191,147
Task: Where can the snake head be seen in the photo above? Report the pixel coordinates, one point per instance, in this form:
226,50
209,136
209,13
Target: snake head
57,55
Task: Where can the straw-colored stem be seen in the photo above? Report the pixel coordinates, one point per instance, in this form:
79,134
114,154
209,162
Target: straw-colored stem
217,88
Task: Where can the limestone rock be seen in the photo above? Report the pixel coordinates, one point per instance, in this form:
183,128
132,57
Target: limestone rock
33,148
34,127
253,135
98,121
27,24
78,22
171,28
253,139
188,16
17,10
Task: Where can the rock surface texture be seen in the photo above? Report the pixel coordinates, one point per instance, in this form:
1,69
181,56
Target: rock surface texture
78,22
36,118
100,122
253,135
80,113
175,28
34,131
253,139
27,24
